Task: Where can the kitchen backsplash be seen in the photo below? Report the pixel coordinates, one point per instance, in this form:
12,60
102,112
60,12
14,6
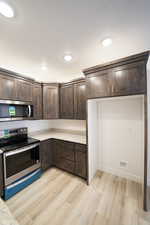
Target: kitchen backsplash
45,124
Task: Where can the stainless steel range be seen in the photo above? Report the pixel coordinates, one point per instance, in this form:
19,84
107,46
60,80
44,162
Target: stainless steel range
21,160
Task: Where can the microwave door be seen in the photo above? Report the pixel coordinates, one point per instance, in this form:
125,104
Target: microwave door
15,111
4,112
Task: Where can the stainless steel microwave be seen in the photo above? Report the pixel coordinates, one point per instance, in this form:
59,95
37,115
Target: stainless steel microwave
15,110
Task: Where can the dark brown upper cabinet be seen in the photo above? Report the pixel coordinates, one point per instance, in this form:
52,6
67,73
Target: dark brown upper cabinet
67,101
51,101
80,101
122,77
73,100
15,88
24,90
37,101
7,87
129,79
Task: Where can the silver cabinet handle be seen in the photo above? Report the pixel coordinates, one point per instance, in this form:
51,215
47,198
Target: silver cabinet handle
17,151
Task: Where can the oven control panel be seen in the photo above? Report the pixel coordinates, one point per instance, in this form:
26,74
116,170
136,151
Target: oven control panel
23,130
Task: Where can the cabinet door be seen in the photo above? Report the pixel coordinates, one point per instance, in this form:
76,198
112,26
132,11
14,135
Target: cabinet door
24,90
37,101
51,101
1,176
81,160
7,88
46,154
67,102
80,101
99,85
129,79
64,149
81,164
65,164
64,155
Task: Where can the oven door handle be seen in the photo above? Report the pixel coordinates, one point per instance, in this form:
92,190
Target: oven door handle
20,150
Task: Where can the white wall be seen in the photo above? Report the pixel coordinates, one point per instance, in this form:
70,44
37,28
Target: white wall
92,138
121,136
35,125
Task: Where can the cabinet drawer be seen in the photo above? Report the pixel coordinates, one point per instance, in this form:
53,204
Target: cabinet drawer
81,147
65,164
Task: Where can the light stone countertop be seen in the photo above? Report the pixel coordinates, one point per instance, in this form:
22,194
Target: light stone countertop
6,217
61,134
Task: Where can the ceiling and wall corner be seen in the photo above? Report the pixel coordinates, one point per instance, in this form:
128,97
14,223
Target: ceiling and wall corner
43,32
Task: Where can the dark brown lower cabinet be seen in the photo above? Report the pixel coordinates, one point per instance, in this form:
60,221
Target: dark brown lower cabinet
46,154
1,176
64,155
81,161
63,149
69,156
65,164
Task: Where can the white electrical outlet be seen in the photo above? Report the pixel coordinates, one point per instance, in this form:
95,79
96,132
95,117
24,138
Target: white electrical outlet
123,164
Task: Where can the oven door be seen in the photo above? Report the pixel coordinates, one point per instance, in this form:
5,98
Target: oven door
20,162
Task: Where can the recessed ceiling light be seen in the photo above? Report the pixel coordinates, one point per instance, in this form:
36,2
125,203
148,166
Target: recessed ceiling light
6,10
107,42
44,67
67,58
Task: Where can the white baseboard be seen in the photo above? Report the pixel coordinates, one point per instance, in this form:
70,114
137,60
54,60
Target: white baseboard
123,174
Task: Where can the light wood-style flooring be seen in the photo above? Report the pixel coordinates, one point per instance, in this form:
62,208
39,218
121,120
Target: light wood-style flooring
59,198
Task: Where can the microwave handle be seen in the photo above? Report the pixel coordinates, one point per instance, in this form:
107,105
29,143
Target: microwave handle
17,151
29,110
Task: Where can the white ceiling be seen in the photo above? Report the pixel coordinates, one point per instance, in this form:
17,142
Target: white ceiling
44,30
